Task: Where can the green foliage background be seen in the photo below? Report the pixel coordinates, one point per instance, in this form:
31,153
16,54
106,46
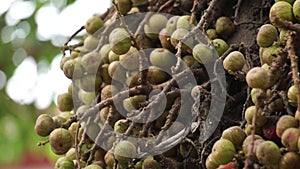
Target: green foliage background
17,136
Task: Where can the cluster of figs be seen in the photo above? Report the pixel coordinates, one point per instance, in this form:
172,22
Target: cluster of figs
109,58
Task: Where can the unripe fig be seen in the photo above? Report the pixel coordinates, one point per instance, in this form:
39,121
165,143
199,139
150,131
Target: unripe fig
44,125
93,166
154,25
104,53
268,153
90,82
104,74
283,34
130,60
116,71
266,35
289,1
165,39
119,41
183,22
171,24
289,160
121,126
65,102
220,45
296,10
108,91
68,68
236,135
91,62
93,24
210,162
281,10
268,54
124,151
293,95
277,105
113,57
224,26
212,34
234,61
162,58
261,119
178,35
109,159
124,6
150,163
223,151
64,163
156,75
248,129
289,138
189,60
86,97
257,77
71,154
90,43
60,141
136,100
285,122
203,53
258,94
58,120
248,141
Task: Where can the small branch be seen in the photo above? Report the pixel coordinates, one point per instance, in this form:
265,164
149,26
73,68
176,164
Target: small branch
288,25
237,10
194,11
42,143
71,37
294,63
207,14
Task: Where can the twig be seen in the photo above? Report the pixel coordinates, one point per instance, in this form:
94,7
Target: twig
288,25
42,143
209,11
236,11
71,37
194,11
294,63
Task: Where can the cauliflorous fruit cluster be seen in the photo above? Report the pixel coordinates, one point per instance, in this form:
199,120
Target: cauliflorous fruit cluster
127,76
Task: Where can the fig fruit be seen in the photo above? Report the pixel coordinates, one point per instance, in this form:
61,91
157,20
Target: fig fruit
224,26
281,11
289,160
266,35
268,153
162,58
223,151
120,41
234,61
285,122
257,77
236,135
124,151
220,45
60,141
44,125
289,138
293,95
93,24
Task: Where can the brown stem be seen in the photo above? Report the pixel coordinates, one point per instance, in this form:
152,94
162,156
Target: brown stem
77,150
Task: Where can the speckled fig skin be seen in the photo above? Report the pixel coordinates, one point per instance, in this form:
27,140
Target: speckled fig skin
178,35
44,125
289,138
60,141
119,41
224,26
150,163
247,142
164,38
210,162
292,95
290,160
93,24
234,61
260,118
220,45
162,58
124,151
257,77
268,153
281,10
285,122
130,60
65,102
171,24
154,25
203,54
223,151
296,10
124,6
266,35
64,163
236,135
212,34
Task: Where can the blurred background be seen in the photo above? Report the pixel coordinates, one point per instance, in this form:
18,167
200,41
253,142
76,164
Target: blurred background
31,34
